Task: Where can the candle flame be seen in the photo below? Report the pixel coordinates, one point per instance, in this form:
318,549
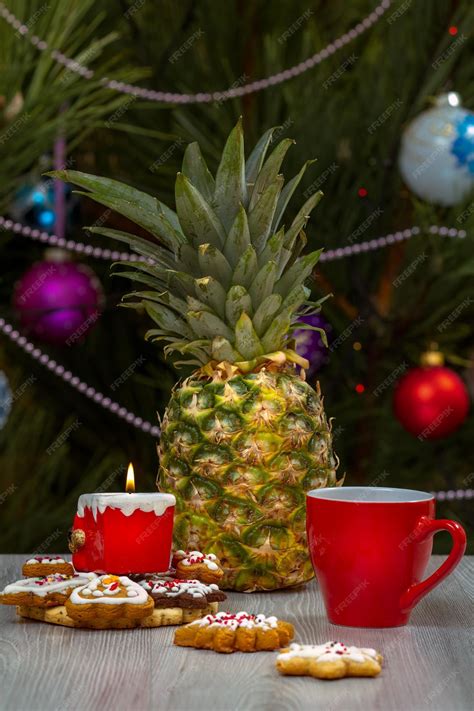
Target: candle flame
130,483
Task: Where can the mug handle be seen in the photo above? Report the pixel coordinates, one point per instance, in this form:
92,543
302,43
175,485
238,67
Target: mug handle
428,527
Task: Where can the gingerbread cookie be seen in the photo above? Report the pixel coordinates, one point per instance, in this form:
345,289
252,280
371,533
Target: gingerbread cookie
45,591
41,565
187,594
242,632
164,616
158,618
154,577
107,601
193,565
332,660
55,615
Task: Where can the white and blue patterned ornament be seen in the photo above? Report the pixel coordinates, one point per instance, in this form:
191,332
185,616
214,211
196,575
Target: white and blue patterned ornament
437,153
5,399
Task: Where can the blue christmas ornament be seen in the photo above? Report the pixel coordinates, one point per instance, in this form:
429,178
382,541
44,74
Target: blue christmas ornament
38,196
46,218
33,204
437,152
5,399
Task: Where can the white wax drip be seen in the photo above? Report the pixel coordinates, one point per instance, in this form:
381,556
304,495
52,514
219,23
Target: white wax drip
126,503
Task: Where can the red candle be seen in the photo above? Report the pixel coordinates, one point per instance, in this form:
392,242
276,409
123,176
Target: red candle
123,533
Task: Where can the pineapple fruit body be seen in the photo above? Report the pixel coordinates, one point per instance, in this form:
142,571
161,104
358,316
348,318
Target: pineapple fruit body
239,454
224,280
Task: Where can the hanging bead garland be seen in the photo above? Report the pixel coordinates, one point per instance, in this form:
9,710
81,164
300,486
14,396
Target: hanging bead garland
201,97
106,402
327,256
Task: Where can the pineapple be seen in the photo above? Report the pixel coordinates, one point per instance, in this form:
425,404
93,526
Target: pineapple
244,436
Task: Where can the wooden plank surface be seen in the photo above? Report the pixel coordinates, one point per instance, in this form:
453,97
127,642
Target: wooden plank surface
428,664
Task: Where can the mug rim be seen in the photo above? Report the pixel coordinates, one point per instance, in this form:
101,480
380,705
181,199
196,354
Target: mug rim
336,494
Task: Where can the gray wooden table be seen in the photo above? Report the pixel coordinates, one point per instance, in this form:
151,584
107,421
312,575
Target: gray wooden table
428,664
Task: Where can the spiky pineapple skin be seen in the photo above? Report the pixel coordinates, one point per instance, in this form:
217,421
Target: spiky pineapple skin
239,454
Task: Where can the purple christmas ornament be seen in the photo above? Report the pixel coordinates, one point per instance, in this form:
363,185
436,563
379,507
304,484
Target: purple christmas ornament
309,344
58,301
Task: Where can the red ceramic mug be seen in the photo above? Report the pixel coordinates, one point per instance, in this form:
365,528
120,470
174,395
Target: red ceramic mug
370,547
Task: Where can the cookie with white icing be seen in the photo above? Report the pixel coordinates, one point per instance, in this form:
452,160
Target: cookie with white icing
158,618
40,565
44,591
242,632
108,599
140,577
187,594
194,565
332,660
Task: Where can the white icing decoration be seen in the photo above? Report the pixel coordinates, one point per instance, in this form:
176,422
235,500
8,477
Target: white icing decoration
139,597
126,503
178,587
58,583
198,558
328,652
240,619
46,560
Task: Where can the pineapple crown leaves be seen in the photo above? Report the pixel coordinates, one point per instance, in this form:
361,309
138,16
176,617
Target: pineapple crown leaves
225,278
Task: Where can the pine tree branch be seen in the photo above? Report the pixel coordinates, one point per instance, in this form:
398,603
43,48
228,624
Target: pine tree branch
339,300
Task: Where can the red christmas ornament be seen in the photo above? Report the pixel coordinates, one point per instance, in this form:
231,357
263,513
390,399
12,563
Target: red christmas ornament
431,401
